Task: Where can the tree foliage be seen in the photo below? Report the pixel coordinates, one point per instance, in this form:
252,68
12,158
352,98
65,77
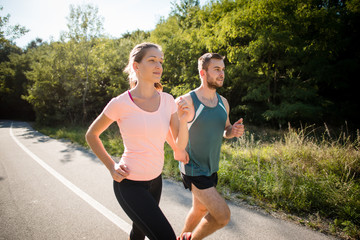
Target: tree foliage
73,79
286,61
9,33
58,85
13,82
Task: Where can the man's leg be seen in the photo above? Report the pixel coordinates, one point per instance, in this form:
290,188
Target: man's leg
196,213
218,214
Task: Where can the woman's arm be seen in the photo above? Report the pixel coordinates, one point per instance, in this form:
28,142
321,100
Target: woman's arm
101,123
178,125
179,155
179,132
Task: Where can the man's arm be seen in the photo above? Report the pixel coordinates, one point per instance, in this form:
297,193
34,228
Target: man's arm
235,130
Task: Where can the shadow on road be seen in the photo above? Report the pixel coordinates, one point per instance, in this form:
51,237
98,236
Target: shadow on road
38,138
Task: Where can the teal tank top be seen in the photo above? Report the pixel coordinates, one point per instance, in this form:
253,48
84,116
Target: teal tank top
205,138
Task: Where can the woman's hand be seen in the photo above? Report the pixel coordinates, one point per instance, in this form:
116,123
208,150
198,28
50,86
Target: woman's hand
183,109
119,172
181,156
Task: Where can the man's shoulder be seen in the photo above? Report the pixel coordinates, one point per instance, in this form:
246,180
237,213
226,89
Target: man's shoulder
186,96
225,101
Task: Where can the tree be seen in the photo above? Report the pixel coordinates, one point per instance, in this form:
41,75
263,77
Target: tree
13,85
57,87
185,11
34,44
12,66
9,33
84,27
286,61
182,47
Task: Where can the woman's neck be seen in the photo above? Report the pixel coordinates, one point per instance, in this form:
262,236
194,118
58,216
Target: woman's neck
144,90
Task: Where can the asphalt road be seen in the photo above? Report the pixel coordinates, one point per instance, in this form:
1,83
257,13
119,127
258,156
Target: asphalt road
51,189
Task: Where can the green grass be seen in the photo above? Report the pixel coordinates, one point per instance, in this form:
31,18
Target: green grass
300,175
313,176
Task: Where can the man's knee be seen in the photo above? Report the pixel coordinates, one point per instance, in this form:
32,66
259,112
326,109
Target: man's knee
223,216
200,209
215,205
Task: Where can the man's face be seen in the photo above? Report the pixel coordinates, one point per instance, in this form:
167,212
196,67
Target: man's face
215,74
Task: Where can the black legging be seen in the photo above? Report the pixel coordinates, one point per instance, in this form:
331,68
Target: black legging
140,201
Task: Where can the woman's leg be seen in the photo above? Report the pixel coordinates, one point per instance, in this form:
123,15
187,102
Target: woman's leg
140,202
155,189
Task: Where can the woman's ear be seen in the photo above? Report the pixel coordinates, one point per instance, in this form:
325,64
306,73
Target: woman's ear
135,66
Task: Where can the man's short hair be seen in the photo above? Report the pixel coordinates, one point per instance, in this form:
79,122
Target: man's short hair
204,60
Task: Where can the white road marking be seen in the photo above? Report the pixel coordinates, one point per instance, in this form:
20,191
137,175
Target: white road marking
92,202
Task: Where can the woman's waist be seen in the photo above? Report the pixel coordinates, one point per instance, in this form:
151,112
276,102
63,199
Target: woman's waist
143,169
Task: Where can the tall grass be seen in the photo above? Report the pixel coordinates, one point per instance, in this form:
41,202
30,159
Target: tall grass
299,174
297,171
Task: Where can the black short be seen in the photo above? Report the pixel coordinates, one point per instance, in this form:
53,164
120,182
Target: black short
201,182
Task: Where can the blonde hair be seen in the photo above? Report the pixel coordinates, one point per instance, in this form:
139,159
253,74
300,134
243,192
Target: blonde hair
136,55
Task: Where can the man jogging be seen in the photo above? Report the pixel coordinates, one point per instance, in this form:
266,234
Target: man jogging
208,123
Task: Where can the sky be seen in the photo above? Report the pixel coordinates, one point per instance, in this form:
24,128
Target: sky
46,19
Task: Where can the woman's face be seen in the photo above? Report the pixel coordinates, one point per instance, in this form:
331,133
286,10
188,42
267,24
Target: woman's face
150,67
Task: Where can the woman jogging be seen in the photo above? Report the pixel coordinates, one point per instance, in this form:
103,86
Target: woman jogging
144,115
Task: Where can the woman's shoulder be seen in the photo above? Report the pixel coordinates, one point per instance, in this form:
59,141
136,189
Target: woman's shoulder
167,96
122,97
119,101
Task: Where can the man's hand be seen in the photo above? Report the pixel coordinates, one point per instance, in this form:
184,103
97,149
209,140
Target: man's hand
237,129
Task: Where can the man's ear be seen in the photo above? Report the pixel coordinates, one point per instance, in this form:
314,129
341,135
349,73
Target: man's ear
202,73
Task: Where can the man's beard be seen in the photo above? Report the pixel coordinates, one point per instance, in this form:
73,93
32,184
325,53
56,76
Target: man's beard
213,84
